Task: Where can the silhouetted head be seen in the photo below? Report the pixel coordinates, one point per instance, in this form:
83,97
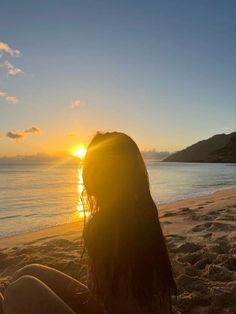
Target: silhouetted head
124,238
114,171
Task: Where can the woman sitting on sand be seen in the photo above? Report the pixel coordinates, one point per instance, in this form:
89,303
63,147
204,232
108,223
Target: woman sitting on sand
129,267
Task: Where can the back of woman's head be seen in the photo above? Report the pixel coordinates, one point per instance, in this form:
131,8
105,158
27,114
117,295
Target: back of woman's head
114,170
124,237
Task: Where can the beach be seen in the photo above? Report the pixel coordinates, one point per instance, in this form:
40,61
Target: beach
201,238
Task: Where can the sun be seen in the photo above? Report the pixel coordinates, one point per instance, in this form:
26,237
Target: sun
78,151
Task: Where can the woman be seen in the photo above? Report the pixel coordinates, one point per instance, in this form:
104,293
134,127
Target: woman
129,267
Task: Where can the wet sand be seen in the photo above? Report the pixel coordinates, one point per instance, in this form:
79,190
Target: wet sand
201,238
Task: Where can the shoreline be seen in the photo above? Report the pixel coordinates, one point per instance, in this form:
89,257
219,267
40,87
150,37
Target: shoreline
231,187
62,228
197,197
22,212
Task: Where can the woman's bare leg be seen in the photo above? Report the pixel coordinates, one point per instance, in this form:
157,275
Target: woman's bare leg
1,303
28,295
70,290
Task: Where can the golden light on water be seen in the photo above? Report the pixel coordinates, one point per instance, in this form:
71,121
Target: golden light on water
81,208
78,151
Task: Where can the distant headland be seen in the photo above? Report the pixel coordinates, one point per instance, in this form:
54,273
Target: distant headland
218,148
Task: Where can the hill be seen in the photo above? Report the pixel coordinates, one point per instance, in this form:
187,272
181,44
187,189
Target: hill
218,148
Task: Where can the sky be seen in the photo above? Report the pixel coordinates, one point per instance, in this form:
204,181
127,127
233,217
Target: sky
161,71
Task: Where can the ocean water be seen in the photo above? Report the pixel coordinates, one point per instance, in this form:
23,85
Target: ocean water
34,197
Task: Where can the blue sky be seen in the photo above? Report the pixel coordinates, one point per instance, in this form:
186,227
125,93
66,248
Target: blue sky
162,71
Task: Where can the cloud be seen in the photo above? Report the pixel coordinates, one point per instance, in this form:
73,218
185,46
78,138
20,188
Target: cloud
76,103
12,99
32,130
8,98
2,94
5,48
11,70
19,136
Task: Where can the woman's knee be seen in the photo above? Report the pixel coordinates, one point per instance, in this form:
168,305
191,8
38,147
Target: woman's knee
31,270
29,295
1,303
20,285
17,292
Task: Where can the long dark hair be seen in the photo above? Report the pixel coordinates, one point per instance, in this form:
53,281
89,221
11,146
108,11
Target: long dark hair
124,238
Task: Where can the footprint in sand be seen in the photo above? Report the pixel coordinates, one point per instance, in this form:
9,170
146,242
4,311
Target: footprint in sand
173,240
190,258
221,246
206,258
184,210
223,296
218,273
188,247
231,263
214,213
231,206
61,244
175,237
14,260
168,214
226,218
191,283
207,235
213,226
25,250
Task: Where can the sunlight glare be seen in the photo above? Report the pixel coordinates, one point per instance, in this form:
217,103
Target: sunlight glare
81,203
79,151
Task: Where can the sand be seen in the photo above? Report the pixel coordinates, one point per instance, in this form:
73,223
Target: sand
201,238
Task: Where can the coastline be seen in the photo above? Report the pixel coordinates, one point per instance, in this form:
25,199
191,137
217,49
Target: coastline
33,207
200,194
201,238
60,228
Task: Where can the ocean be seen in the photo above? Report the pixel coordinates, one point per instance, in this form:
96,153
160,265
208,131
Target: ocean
37,196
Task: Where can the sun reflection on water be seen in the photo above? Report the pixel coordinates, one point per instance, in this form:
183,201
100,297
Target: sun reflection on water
81,208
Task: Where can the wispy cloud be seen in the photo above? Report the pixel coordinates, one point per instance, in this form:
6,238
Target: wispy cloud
76,103
33,130
12,99
11,69
19,136
2,94
8,98
5,48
